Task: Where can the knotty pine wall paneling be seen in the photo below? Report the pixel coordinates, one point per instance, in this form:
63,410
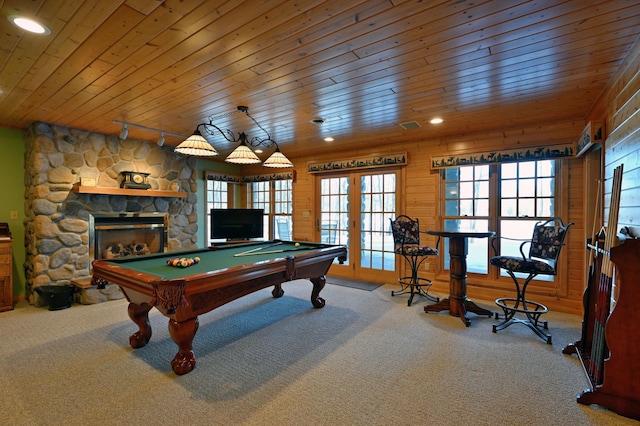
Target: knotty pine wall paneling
620,106
420,198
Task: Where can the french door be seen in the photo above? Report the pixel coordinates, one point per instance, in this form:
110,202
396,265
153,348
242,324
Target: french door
355,209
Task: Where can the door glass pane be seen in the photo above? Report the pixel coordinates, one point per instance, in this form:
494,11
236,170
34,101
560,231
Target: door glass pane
334,211
389,201
377,206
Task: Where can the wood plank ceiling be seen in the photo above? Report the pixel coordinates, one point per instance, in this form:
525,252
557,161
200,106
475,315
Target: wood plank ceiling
362,66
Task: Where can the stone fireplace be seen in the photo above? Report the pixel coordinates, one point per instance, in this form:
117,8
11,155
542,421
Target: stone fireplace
59,218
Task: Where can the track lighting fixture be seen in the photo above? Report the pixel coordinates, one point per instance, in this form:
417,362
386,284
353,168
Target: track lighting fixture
124,132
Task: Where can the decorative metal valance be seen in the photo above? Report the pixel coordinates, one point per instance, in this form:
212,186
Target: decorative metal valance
270,177
375,161
503,156
221,177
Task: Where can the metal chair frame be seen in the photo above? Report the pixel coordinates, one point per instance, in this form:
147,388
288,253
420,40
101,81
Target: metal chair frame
407,244
543,254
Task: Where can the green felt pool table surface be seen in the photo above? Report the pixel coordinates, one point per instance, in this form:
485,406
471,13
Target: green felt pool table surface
215,259
223,274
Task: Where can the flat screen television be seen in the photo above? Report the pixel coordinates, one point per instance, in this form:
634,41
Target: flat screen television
237,224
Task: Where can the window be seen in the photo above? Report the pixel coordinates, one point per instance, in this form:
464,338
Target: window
467,191
217,198
520,195
527,196
276,198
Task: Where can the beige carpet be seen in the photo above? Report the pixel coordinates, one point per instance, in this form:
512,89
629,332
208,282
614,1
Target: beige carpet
360,285
364,359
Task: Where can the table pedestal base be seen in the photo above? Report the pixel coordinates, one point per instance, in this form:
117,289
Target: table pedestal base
457,303
458,307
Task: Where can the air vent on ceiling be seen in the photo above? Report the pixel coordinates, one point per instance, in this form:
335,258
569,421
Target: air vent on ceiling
410,125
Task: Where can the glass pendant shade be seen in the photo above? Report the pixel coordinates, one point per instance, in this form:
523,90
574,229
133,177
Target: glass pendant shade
242,155
277,159
197,146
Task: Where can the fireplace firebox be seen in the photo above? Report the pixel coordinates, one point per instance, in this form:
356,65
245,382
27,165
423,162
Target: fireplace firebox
114,235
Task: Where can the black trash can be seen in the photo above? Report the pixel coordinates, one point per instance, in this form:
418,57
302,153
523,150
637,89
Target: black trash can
57,297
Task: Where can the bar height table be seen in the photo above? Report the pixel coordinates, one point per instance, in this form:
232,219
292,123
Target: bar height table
457,303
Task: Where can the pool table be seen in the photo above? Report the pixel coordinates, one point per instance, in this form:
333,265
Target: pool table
223,274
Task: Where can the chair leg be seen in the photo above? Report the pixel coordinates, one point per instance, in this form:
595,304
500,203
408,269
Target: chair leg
415,285
532,310
405,285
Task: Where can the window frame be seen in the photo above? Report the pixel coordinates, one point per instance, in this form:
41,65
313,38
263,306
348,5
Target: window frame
273,204
493,278
215,203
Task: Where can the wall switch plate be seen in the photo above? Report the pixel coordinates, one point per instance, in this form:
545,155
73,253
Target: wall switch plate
14,214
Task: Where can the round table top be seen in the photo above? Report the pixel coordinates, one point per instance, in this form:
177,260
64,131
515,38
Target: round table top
460,234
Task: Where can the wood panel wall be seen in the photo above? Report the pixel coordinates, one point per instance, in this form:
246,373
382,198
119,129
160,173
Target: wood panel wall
420,198
620,106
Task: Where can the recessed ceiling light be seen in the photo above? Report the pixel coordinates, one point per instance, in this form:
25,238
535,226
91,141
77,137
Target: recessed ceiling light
436,120
328,139
29,25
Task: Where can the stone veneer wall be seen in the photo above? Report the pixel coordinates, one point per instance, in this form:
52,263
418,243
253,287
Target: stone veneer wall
56,222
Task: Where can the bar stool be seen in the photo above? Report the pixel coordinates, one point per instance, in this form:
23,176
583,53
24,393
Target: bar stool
406,239
544,250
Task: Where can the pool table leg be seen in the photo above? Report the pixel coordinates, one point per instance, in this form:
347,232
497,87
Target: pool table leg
139,314
277,291
318,285
183,333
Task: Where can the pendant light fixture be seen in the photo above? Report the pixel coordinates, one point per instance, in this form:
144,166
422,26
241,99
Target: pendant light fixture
243,153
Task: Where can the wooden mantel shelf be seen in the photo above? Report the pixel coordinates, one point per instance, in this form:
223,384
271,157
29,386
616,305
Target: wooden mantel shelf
127,192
